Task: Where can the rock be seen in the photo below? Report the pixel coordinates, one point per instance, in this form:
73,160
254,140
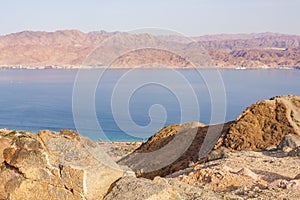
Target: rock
294,152
4,131
217,154
180,172
269,181
4,143
279,183
265,124
241,190
158,189
285,184
54,165
271,148
220,179
289,141
297,176
287,149
249,173
174,148
261,126
293,185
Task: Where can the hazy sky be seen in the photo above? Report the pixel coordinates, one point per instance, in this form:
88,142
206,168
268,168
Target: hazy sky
190,17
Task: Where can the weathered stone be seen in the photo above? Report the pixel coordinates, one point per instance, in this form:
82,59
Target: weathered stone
265,123
287,149
290,141
4,143
217,154
30,189
293,185
294,152
268,177
54,165
249,173
174,148
158,189
279,183
10,179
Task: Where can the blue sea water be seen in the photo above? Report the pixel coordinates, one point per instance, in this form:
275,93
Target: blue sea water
42,99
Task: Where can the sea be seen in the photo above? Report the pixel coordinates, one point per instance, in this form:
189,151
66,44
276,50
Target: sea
133,104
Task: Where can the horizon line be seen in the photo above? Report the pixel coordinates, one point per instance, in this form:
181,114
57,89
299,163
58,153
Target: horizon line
104,31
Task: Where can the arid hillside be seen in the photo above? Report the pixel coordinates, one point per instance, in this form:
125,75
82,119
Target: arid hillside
72,47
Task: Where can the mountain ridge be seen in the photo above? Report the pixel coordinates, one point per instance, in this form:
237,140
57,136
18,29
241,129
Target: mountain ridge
71,47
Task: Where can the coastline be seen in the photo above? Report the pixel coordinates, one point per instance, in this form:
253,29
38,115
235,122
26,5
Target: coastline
71,67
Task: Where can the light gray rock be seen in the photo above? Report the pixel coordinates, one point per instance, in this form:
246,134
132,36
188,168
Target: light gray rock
129,188
289,141
249,173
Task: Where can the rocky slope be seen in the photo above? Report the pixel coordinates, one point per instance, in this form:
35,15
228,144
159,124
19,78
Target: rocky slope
252,58
30,48
194,160
171,149
249,41
65,165
264,124
73,47
269,174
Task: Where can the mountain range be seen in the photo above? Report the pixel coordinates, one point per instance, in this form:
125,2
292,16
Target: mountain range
75,48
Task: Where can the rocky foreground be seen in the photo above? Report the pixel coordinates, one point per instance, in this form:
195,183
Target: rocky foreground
257,156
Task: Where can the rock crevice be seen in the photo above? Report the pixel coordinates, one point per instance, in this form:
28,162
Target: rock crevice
54,165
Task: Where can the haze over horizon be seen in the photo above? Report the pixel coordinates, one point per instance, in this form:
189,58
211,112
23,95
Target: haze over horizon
169,32
191,18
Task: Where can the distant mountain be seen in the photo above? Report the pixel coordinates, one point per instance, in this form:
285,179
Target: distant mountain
72,47
48,48
250,41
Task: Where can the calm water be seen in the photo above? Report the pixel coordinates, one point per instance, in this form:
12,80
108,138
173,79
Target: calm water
42,99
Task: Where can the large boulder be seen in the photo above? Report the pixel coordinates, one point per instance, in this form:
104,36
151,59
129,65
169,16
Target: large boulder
54,165
174,148
265,124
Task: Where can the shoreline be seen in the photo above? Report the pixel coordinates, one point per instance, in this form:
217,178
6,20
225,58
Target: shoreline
144,68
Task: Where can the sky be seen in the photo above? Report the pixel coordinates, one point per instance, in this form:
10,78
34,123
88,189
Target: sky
189,17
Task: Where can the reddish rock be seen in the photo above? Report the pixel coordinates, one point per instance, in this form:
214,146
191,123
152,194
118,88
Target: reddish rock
265,123
174,148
